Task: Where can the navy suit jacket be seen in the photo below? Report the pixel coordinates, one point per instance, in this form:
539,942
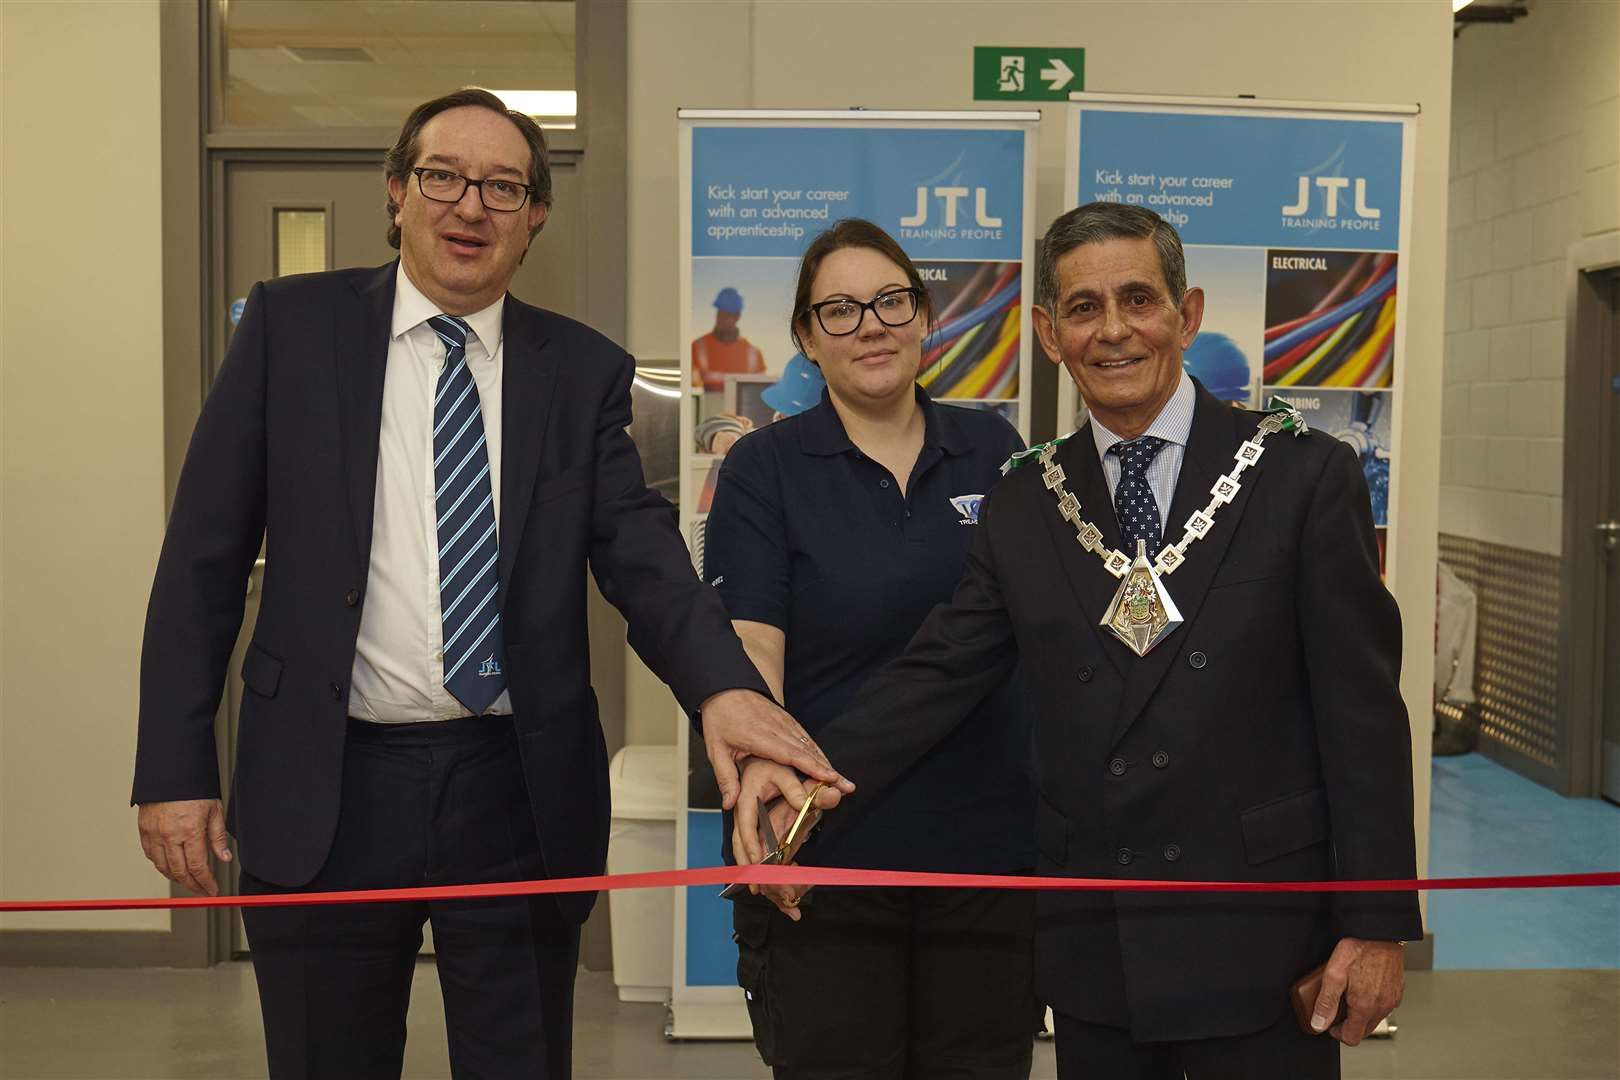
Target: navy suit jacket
1264,740
285,452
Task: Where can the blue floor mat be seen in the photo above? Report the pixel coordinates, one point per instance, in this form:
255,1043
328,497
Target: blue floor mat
1487,820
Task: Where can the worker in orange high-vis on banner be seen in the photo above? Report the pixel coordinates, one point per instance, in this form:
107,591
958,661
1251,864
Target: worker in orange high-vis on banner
724,351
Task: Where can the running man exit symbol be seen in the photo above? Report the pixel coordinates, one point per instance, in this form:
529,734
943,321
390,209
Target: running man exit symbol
1003,73
1012,74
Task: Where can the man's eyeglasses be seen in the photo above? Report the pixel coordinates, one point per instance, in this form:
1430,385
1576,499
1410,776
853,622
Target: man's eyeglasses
506,196
841,317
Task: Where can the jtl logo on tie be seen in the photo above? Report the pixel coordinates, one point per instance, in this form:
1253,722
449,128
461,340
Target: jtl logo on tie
489,669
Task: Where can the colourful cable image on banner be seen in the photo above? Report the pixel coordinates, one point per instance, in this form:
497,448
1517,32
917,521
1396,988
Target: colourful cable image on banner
972,352
1330,319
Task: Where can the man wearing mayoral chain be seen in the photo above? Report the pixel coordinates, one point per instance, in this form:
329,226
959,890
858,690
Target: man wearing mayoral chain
1194,593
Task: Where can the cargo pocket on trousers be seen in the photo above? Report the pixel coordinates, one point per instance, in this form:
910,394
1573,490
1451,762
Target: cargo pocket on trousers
754,974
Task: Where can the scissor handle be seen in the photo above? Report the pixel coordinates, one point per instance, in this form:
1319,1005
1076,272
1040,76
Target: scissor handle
798,822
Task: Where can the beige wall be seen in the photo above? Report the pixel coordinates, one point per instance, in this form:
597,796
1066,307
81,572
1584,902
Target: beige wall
1535,146
900,54
81,446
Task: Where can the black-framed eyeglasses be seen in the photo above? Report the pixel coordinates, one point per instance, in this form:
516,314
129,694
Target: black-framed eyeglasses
841,316
441,185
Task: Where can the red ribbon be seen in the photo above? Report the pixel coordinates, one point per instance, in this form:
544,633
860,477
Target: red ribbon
812,875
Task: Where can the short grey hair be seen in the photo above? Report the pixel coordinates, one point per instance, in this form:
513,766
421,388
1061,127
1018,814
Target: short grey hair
1099,221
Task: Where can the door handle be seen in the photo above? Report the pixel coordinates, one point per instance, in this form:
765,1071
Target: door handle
1610,531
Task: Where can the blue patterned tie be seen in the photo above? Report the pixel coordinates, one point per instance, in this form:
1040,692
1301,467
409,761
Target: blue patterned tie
474,650
1134,506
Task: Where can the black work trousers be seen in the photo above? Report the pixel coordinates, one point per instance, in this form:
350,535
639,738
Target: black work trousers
423,804
892,984
1282,1051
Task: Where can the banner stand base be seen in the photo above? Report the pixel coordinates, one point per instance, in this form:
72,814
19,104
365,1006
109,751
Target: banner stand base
712,1022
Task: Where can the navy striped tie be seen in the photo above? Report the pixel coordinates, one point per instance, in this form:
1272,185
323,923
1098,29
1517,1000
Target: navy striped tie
474,649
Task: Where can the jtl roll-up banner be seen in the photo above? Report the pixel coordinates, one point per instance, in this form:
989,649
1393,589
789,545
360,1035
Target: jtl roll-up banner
1296,220
956,190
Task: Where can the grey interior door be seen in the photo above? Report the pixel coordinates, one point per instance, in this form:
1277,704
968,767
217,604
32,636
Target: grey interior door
279,214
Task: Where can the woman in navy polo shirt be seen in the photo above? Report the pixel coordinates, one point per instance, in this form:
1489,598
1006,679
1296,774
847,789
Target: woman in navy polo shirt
832,535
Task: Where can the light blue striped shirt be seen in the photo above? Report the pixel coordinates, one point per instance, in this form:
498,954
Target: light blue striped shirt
1173,425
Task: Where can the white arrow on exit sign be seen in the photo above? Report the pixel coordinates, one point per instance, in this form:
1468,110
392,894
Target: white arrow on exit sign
1058,75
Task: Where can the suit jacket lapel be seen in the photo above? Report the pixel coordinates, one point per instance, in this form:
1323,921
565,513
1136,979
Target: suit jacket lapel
360,352
1213,440
1093,585
528,387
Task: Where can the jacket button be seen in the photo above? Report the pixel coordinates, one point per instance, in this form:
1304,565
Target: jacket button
1172,852
1124,856
1117,766
337,692
1160,759
352,597
1198,660
1085,674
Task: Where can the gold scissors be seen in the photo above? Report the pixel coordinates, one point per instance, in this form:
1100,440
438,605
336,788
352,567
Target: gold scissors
778,854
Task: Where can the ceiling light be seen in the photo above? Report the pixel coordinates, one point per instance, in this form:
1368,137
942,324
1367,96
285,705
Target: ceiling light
540,102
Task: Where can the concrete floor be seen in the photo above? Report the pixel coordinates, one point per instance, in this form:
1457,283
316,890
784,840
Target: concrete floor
149,1024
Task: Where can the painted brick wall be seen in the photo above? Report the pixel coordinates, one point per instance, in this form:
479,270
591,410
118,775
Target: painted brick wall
1534,149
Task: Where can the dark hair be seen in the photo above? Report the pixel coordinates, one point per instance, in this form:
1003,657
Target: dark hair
401,158
849,233
1098,221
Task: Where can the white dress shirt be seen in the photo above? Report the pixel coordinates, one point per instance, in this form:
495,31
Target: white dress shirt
1173,425
399,659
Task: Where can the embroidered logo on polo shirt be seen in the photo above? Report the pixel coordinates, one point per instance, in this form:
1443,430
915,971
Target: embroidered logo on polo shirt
968,507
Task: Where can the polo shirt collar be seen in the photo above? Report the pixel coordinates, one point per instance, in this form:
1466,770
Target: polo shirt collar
821,429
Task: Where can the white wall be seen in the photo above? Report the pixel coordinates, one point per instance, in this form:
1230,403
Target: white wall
1535,142
900,54
81,446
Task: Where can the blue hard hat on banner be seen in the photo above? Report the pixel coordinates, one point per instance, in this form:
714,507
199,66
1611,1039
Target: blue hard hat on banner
1216,361
799,388
729,300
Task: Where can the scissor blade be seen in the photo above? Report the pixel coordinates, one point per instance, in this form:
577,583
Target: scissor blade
765,831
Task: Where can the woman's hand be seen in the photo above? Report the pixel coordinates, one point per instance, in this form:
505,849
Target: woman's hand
782,794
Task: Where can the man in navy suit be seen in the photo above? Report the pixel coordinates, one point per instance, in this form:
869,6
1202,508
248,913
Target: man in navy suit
430,464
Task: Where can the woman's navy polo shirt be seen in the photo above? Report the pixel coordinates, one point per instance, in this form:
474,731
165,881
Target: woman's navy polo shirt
810,535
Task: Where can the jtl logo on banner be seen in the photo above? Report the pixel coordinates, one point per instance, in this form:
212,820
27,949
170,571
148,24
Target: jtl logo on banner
949,196
1331,186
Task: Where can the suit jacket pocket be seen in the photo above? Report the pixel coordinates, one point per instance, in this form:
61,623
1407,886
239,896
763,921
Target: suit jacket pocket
564,483
261,672
1285,825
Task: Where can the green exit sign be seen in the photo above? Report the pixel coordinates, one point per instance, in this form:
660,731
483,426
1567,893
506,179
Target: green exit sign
1027,73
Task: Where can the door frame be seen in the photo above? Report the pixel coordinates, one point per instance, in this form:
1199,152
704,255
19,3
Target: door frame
1590,419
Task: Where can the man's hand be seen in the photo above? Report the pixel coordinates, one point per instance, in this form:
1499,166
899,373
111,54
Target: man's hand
177,837
1371,976
740,723
783,793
